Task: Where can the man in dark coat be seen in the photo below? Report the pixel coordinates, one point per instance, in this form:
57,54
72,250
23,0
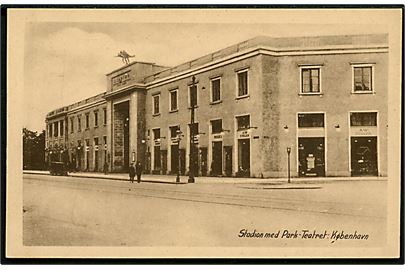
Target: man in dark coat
131,172
138,171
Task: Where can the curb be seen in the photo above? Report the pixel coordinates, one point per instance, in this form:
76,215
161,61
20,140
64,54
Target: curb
299,181
110,178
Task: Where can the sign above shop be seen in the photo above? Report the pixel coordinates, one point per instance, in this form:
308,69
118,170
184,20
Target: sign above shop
244,134
363,131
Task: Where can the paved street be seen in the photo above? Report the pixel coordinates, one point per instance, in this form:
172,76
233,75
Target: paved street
85,211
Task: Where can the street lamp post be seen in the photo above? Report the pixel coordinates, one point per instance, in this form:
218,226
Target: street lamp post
288,154
191,159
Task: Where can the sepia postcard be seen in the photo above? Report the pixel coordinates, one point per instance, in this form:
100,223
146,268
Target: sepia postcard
203,133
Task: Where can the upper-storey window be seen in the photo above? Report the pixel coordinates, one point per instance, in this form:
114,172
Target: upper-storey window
173,100
55,129
193,97
216,89
310,120
310,80
363,119
61,125
96,118
105,116
362,79
243,89
79,123
72,124
87,120
50,130
156,104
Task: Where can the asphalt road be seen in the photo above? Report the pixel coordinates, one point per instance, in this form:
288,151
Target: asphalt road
70,211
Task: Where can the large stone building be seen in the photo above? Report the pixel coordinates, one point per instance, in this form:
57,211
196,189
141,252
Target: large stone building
322,99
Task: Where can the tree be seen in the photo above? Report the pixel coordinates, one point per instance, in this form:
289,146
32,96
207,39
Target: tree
33,150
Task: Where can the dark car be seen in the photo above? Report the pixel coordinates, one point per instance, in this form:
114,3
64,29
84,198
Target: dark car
58,168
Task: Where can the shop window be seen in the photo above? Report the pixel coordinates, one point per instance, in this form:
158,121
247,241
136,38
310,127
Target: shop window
216,126
243,122
363,119
310,120
173,131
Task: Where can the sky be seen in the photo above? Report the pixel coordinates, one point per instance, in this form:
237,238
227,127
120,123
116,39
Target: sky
66,62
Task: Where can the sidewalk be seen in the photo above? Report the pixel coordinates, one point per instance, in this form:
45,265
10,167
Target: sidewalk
267,183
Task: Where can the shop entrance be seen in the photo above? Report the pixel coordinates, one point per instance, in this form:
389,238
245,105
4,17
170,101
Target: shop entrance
96,161
244,157
228,160
364,156
311,154
174,158
216,166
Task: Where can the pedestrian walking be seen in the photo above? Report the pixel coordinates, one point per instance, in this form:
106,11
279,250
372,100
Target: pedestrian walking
131,172
138,171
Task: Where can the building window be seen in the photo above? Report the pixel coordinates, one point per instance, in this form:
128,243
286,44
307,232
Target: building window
96,118
156,104
173,100
362,79
243,122
363,119
105,140
192,96
173,131
95,141
216,90
50,130
79,123
72,125
61,127
105,116
216,126
156,133
55,129
87,120
310,80
243,83
310,120
194,128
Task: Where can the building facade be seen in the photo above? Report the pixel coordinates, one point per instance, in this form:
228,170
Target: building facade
315,104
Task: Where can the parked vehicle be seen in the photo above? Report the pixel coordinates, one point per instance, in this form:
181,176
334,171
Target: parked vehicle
58,168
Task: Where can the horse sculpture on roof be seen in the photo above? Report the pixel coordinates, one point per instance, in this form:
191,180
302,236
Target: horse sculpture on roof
124,56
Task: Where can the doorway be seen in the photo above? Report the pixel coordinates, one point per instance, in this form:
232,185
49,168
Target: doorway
364,156
311,152
244,157
216,166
